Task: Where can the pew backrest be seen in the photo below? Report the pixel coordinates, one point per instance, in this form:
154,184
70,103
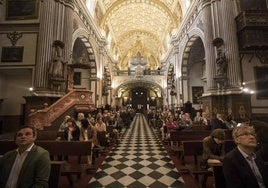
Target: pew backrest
65,148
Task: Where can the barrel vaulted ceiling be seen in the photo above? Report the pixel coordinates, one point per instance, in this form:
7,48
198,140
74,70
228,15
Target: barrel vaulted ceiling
144,26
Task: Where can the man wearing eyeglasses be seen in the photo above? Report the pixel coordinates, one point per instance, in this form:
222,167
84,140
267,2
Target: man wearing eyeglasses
28,165
241,167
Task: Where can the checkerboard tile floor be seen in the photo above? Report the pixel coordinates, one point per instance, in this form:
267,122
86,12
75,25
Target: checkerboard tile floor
139,161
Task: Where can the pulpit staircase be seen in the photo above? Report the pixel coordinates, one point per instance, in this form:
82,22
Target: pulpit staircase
73,101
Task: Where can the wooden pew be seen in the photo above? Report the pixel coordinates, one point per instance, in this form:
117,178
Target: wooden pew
49,135
75,153
102,138
176,137
55,173
194,149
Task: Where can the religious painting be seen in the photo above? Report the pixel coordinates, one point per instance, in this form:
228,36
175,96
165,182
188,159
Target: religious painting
261,75
12,54
21,9
197,92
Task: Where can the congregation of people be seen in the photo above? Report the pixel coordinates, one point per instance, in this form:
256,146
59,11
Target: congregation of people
29,164
87,125
244,166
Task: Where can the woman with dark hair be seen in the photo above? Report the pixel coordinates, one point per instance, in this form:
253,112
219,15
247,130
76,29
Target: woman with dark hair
72,131
88,132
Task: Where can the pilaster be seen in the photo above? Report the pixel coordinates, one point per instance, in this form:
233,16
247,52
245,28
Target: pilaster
230,43
209,56
45,40
68,30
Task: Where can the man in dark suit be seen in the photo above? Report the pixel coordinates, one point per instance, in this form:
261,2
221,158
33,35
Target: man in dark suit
27,166
241,167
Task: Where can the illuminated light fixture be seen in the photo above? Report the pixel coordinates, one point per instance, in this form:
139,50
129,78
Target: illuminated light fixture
31,89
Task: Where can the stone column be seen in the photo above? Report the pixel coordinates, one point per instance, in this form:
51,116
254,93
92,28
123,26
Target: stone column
185,89
55,24
209,49
44,49
100,73
68,30
230,43
177,71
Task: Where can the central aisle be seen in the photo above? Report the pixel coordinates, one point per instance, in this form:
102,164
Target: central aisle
139,161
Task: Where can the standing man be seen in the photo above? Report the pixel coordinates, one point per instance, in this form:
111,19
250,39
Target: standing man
241,167
28,165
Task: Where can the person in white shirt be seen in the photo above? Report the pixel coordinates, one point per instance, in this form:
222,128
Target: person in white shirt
28,165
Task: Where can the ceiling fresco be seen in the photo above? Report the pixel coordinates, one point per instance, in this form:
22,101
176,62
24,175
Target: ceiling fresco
138,30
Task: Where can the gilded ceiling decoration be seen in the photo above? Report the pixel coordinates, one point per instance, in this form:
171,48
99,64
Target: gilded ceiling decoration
138,28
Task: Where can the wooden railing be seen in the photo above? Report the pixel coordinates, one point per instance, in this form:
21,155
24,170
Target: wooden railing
76,98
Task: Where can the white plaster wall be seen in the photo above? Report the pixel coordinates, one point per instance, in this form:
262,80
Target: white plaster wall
258,105
84,79
195,75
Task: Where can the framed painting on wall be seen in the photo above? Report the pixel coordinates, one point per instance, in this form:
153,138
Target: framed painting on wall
12,54
197,92
21,9
261,80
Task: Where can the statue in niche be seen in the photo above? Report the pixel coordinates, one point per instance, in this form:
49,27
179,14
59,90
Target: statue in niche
83,58
57,67
221,62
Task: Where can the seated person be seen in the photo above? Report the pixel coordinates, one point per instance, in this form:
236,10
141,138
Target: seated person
218,122
205,120
213,147
88,131
101,130
114,135
26,166
63,126
72,132
171,123
185,120
198,117
80,116
242,168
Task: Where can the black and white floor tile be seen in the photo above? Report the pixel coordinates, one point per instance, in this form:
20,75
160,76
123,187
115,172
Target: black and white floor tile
138,161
